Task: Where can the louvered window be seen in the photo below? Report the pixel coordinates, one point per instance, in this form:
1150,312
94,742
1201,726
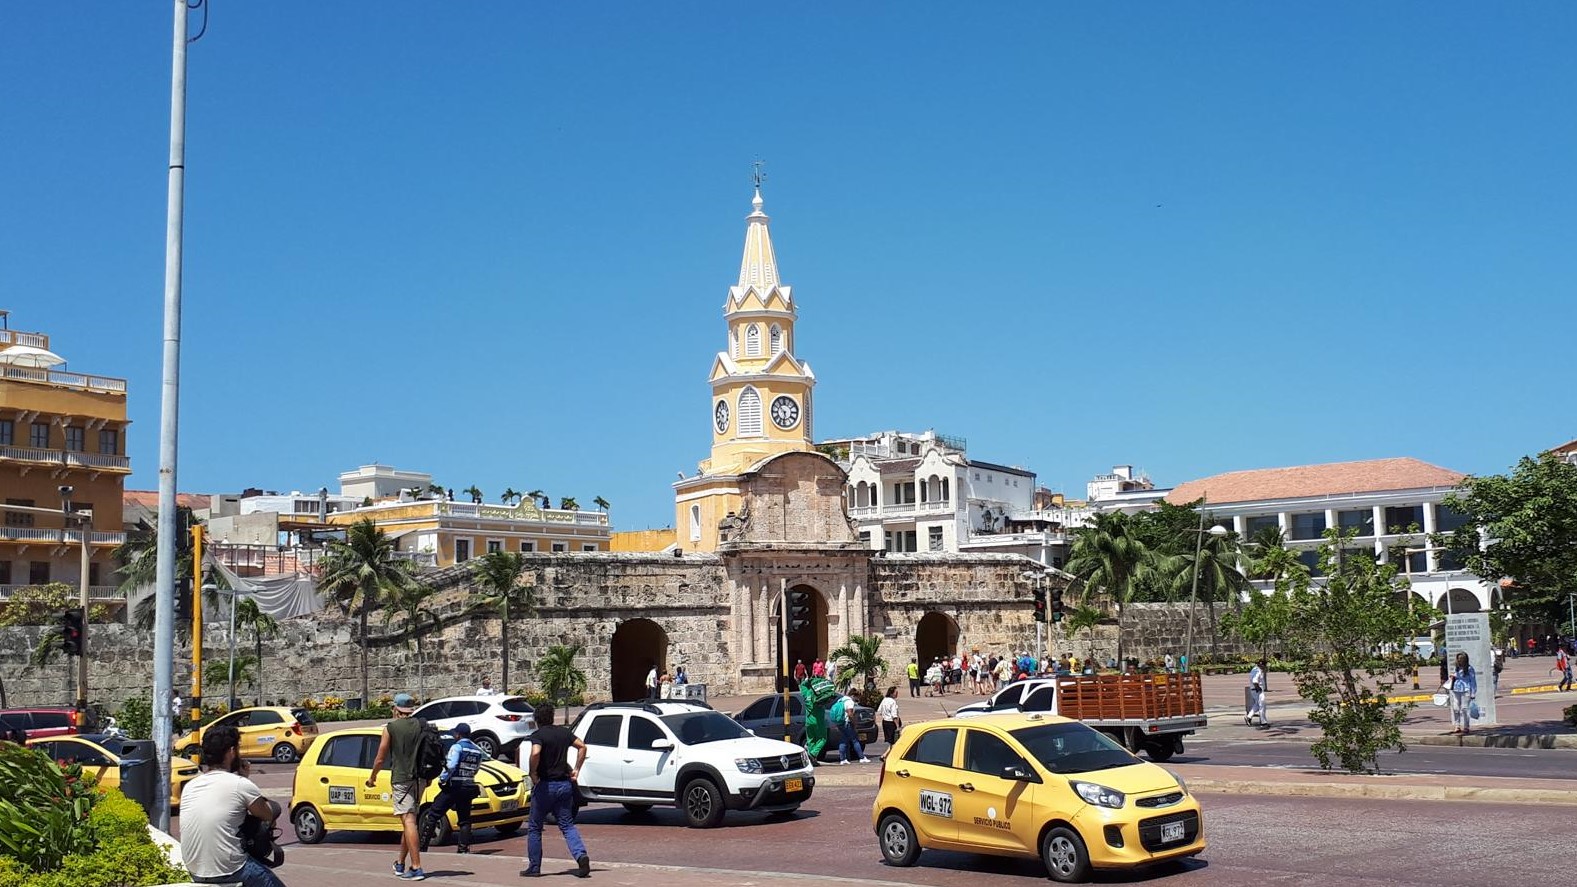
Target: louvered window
749,412
777,339
752,341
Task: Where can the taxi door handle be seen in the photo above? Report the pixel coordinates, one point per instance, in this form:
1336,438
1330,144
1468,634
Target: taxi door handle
967,786
903,773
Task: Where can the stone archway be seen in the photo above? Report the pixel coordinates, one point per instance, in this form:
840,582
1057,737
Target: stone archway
1460,600
637,645
935,636
810,642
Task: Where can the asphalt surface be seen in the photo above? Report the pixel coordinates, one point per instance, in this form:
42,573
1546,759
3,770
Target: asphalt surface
1524,763
1252,841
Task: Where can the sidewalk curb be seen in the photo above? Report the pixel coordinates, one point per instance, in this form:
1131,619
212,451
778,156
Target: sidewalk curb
1500,740
1384,792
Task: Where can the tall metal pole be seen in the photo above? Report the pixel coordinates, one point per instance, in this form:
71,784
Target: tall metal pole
196,699
1193,595
169,405
230,700
82,601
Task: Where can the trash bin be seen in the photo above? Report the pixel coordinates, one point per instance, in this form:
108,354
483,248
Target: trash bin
139,773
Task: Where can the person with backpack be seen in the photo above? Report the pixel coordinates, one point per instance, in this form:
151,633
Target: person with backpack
457,788
1563,664
402,748
842,714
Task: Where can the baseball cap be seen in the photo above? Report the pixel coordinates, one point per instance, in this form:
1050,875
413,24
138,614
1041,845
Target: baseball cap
461,729
404,702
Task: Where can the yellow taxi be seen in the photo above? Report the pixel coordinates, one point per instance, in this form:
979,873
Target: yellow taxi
99,754
331,793
1033,785
276,732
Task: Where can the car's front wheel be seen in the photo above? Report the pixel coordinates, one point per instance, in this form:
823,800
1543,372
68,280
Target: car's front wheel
900,845
703,804
1066,859
285,753
309,825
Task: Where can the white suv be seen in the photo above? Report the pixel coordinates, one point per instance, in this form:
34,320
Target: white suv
1030,694
684,754
498,723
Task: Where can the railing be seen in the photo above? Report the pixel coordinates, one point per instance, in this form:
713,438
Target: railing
520,512
71,458
13,337
70,537
98,592
67,380
936,506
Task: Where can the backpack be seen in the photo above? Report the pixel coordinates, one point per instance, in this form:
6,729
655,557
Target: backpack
429,753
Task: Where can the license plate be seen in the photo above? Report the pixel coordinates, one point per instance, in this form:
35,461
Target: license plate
793,785
1171,831
513,804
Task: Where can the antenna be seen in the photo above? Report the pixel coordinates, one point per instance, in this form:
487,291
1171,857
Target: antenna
757,175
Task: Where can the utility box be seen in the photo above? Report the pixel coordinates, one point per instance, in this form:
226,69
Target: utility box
688,691
139,773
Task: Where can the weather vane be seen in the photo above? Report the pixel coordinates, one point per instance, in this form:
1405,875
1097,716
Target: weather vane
758,175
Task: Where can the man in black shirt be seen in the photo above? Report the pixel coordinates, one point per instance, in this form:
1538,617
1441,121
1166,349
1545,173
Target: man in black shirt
553,791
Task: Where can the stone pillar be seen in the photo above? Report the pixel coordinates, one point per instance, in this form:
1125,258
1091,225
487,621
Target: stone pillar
843,615
763,622
745,612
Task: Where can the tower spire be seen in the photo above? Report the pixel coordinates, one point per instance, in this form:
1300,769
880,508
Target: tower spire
759,267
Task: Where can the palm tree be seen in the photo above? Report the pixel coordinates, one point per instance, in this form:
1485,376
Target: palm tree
1218,575
498,573
1081,618
1269,558
538,496
436,490
568,503
557,673
862,656
360,573
510,496
414,602
475,493
1108,556
601,503
250,615
248,673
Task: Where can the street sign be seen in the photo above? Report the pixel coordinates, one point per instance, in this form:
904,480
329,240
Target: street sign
1469,633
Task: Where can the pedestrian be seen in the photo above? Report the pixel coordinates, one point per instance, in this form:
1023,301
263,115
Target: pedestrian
1498,657
800,671
665,686
553,791
933,678
680,677
1182,663
1004,671
456,788
651,682
888,713
487,688
213,808
832,671
399,746
1563,664
1170,664
1256,695
912,671
175,712
818,669
849,749
1464,688
1445,669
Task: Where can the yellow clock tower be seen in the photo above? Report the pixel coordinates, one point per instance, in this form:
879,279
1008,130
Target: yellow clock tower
761,392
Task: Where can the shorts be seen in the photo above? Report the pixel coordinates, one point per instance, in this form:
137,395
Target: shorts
407,796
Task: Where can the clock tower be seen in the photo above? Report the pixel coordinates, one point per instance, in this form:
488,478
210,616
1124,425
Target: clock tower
761,392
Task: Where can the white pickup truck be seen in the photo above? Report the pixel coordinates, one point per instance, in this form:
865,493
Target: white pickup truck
1145,712
684,754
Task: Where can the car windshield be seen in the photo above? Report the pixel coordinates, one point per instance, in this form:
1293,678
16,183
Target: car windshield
517,704
694,728
1072,748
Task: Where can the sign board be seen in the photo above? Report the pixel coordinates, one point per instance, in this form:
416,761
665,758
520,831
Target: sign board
1469,633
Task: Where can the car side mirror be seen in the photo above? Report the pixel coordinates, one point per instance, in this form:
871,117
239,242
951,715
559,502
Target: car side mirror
1016,773
662,744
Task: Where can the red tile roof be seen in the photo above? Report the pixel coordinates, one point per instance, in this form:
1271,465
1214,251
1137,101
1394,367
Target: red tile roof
150,499
1335,478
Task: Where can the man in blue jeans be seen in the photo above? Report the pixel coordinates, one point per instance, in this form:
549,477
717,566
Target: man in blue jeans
553,791
849,748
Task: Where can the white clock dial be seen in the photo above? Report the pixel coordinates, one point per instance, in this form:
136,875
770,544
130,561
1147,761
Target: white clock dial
720,417
785,412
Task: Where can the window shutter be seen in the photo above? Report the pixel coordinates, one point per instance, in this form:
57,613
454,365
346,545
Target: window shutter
749,412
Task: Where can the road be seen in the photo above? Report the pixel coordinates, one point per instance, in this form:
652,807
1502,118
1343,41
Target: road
1253,841
1515,762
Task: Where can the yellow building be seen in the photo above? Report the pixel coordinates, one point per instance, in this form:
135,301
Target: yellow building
761,393
436,532
58,430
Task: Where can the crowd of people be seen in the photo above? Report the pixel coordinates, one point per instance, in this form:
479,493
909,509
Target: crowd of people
983,673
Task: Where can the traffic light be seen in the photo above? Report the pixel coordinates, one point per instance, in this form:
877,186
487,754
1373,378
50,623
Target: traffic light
183,599
799,610
1056,605
1040,603
71,631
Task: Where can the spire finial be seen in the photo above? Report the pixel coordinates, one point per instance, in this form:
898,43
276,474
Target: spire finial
758,177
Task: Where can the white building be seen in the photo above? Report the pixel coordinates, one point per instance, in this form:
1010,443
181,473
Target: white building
379,482
1393,504
922,492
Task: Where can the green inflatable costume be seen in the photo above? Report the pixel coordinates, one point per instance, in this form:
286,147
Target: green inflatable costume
816,693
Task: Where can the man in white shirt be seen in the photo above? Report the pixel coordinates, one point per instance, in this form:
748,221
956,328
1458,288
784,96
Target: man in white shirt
487,688
1256,695
651,682
213,806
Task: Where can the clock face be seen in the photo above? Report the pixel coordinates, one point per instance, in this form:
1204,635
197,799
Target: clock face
785,412
720,417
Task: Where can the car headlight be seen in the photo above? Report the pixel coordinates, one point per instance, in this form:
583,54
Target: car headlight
1100,795
1182,785
748,765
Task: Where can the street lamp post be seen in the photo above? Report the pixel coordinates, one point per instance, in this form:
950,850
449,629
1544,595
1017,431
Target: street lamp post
83,520
1193,595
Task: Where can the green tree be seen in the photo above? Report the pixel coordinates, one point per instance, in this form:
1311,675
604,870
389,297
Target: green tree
1529,517
250,616
1335,627
1216,560
139,559
510,496
1168,532
360,573
568,503
1264,620
414,601
475,493
1082,618
537,496
862,655
557,673
216,673
1111,560
498,574
601,503
1269,558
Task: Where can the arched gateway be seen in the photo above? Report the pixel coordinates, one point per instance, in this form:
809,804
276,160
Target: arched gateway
935,636
637,645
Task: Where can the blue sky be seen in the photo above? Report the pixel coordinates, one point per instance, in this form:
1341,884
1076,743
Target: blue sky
492,241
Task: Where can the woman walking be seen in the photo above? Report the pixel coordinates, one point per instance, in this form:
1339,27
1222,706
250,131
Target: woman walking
887,711
1464,688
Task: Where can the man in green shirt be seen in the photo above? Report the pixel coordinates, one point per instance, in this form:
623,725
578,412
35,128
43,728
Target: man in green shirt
913,671
402,738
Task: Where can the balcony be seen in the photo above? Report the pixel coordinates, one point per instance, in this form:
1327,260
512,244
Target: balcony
66,458
77,381
95,592
522,513
58,536
15,337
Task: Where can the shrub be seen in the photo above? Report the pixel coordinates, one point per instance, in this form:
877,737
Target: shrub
136,717
1571,715
124,862
537,697
41,814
